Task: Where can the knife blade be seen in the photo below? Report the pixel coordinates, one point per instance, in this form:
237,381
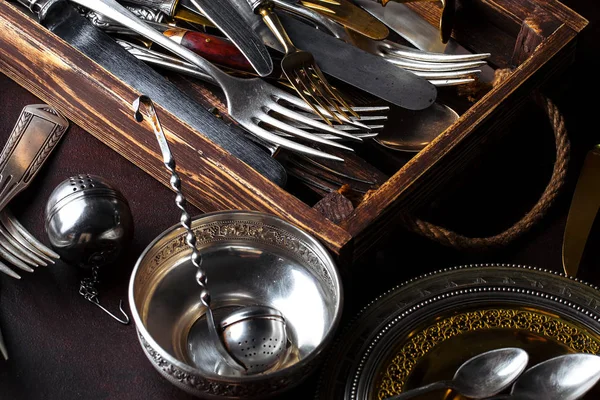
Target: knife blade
226,18
61,18
368,72
417,31
583,210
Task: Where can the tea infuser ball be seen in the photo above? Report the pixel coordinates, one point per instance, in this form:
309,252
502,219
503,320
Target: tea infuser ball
89,224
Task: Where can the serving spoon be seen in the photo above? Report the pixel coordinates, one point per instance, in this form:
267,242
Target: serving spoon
482,376
567,377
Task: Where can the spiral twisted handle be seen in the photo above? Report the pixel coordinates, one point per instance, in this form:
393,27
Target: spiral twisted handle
180,201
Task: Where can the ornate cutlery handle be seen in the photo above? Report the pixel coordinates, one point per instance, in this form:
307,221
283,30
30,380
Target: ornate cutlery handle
36,133
166,6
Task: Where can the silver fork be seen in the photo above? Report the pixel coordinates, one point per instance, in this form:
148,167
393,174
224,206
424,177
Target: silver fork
440,69
250,101
360,130
371,122
23,248
37,131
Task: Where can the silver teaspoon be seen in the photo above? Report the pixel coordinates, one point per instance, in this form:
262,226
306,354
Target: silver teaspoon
567,377
479,377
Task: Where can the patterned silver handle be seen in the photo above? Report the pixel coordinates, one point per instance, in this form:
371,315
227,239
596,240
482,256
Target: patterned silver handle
166,6
180,201
36,133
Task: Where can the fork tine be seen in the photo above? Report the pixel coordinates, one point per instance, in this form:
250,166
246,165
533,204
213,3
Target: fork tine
448,74
8,256
363,109
320,107
14,227
8,271
391,48
318,82
333,92
267,119
450,82
3,347
278,108
428,66
363,118
289,144
17,250
298,103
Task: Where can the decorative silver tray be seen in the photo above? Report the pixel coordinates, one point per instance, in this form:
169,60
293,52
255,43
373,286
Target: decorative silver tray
423,330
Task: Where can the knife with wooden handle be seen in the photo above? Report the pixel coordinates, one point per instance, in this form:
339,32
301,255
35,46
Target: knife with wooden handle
583,211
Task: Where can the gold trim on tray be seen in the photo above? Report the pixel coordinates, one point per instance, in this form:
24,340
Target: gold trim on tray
395,375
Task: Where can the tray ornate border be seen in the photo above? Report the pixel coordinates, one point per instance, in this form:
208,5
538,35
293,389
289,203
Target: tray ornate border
349,370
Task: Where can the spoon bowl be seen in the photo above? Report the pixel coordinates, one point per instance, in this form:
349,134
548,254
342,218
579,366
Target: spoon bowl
480,377
489,372
566,377
417,128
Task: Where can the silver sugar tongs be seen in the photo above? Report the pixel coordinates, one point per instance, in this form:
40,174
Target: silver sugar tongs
251,115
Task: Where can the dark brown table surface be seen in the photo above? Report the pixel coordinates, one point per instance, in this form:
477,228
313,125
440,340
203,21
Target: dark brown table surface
62,347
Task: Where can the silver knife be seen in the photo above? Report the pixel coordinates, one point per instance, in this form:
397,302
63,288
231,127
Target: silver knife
417,31
582,213
227,19
368,72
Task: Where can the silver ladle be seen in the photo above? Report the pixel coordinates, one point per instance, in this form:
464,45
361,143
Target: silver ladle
482,376
242,330
567,377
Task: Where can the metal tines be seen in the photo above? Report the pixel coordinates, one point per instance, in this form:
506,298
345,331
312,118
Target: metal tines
301,69
20,248
253,103
438,68
371,122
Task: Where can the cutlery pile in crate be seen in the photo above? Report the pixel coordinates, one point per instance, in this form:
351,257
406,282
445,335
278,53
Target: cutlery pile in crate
328,90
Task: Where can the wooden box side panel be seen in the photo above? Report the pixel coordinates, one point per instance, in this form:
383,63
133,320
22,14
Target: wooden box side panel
101,104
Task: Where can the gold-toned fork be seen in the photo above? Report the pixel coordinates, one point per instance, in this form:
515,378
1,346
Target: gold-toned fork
301,69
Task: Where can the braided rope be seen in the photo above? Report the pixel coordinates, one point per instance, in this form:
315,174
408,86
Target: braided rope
450,238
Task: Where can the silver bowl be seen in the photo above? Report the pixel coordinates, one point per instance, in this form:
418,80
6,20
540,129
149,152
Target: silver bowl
250,258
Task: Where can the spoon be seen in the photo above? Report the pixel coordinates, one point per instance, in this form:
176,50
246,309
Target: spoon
566,377
479,377
240,332
418,128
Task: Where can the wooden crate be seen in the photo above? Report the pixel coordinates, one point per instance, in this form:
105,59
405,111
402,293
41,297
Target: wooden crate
534,37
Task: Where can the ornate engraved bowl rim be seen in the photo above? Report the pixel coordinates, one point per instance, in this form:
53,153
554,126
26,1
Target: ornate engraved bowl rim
268,220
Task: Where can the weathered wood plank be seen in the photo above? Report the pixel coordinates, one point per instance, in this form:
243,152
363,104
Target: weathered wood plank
98,102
